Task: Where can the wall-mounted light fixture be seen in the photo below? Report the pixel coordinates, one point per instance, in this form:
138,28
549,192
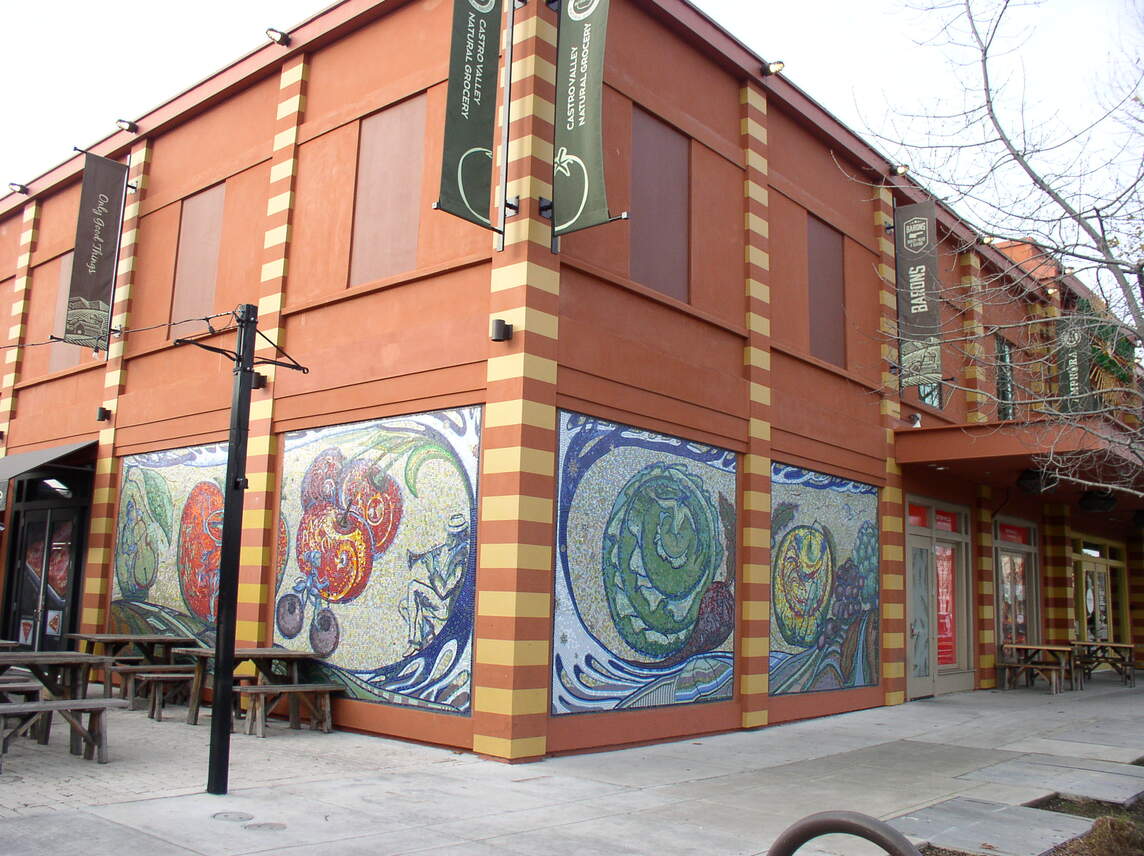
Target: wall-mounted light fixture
773,67
258,381
1036,481
16,187
986,240
1100,501
500,330
127,125
277,36
915,420
900,169
102,414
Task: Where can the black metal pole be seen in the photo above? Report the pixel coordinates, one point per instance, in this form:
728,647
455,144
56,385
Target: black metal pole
218,772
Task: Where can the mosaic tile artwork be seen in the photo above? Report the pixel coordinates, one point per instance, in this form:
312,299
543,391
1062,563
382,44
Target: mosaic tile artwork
377,555
168,534
645,572
824,582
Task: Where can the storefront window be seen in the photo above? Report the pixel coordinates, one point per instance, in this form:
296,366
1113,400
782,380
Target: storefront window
944,556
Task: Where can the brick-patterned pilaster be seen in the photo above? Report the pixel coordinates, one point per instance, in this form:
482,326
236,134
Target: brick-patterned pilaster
973,374
892,506
99,568
755,583
256,561
518,480
1059,605
984,587
1135,572
18,318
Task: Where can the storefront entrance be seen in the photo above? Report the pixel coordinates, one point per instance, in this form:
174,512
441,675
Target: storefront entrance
1015,558
44,562
1101,592
939,653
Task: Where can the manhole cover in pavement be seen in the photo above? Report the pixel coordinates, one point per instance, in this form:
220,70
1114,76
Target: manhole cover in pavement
265,827
232,816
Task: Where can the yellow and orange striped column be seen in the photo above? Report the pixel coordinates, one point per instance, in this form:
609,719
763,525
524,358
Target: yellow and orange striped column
518,481
1135,573
18,318
755,581
892,505
984,587
99,567
1058,575
973,374
256,568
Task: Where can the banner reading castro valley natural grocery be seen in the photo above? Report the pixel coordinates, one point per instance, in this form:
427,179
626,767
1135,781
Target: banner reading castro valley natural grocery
579,199
470,112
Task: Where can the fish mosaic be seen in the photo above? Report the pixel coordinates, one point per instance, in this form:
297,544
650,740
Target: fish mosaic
644,612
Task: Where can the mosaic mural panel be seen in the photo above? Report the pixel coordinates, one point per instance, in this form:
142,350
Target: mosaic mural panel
168,535
824,582
645,577
377,555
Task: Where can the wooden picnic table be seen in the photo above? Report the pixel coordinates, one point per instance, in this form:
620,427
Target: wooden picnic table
8,643
155,647
1121,656
264,661
1049,660
62,673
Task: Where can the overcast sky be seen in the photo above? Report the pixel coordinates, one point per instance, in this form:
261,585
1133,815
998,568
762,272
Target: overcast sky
71,68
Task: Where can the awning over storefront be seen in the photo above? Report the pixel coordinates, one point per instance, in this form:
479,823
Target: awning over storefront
14,465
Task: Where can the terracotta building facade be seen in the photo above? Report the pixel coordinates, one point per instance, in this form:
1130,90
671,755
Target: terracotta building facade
687,495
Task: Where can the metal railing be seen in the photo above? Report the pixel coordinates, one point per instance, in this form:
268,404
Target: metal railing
846,823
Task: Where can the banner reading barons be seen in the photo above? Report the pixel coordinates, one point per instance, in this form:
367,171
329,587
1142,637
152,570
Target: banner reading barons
919,310
470,111
97,236
579,198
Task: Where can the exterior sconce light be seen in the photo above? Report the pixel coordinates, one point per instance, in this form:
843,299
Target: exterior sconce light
258,381
127,125
500,330
915,420
900,169
986,240
16,187
774,67
102,414
1100,501
278,37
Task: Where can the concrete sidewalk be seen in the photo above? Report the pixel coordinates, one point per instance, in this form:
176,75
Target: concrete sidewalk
951,770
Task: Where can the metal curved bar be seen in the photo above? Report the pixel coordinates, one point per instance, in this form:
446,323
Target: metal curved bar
844,822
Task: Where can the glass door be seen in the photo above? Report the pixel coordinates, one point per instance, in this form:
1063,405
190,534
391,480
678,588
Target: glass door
1013,600
1097,602
920,657
44,578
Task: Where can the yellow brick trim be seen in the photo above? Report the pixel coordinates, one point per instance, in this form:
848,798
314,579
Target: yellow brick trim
753,572
756,537
758,324
893,611
499,414
501,747
252,593
754,684
760,429
291,106
510,702
534,66
760,358
535,509
279,203
520,365
760,394
517,459
527,320
756,192
750,128
893,582
531,105
756,610
294,74
893,670
755,719
285,139
893,641
529,557
513,604
526,230
507,652
526,273
253,630
895,698
757,647
534,27
283,170
891,523
756,500
753,98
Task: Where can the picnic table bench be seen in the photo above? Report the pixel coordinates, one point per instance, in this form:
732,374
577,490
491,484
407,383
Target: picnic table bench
1050,661
136,677
263,697
28,713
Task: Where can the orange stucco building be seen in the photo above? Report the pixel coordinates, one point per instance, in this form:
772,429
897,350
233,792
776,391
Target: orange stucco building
687,495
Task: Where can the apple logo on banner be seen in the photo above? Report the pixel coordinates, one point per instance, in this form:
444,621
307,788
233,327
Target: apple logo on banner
483,6
578,10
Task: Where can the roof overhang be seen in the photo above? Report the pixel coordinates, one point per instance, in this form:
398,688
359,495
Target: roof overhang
23,462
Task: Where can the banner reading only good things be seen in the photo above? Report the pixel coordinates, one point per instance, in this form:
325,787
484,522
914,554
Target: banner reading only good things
919,307
96,258
579,198
470,111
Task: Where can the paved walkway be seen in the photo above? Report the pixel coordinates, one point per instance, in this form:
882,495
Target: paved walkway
950,769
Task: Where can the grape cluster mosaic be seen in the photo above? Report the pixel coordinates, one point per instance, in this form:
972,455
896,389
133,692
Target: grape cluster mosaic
824,582
377,555
645,579
168,538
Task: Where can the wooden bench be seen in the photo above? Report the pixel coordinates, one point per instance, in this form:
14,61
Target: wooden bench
27,690
1008,672
159,686
128,675
263,697
71,709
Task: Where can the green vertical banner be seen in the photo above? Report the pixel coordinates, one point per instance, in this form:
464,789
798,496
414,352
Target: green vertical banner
1074,365
579,197
470,111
